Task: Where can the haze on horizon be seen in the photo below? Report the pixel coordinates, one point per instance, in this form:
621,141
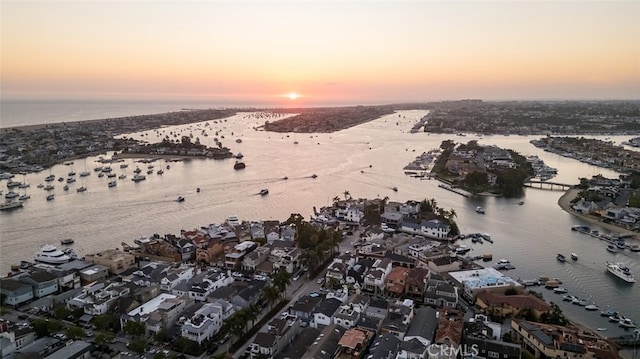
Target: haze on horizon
298,53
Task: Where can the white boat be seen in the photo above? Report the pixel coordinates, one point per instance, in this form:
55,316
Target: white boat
621,271
51,197
51,255
180,199
85,174
591,307
626,323
480,210
138,178
462,249
264,192
560,257
50,178
611,248
10,205
560,290
24,197
502,264
574,256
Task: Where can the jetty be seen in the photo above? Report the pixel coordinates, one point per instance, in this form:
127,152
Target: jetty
459,191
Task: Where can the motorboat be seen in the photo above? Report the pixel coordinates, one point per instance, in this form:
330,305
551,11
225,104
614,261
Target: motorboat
591,307
569,298
51,255
503,264
560,290
112,184
48,187
561,258
574,256
608,313
67,241
85,174
264,192
480,210
612,248
138,178
395,189
160,172
81,189
621,271
601,329
10,195
626,323
66,187
124,165
101,174
180,199
10,205
50,178
122,176
24,197
198,189
521,203
462,249
239,165
615,318
137,170
71,180
111,175
314,176
51,197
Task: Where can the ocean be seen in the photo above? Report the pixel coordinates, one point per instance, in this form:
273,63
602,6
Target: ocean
365,160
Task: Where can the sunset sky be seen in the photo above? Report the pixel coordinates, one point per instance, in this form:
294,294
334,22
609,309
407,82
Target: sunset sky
327,52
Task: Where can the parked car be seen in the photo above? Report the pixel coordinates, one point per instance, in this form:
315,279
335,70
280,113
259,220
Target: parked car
320,280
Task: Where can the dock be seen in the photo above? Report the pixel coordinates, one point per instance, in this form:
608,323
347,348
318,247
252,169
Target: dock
459,191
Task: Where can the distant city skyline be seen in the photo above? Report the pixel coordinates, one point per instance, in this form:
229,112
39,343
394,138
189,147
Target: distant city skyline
305,53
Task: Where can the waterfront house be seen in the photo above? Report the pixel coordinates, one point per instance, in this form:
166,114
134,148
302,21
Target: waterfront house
555,341
441,294
117,261
42,283
15,292
500,305
354,343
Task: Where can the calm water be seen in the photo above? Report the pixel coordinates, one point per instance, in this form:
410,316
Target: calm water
366,160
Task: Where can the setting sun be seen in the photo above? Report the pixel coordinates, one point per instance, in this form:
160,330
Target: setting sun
292,95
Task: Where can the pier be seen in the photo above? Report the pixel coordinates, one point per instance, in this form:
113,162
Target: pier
554,186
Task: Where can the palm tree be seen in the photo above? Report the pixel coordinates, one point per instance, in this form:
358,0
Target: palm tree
336,199
271,294
347,195
282,279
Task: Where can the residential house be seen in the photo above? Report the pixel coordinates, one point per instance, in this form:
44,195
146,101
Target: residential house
354,343
416,282
15,292
280,333
167,314
346,316
399,315
206,321
117,261
305,307
491,348
555,341
42,283
326,344
351,214
249,295
255,258
500,305
99,297
396,281
441,294
324,312
174,276
234,256
449,332
423,326
375,278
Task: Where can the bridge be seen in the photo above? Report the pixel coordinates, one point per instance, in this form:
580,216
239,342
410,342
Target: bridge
548,185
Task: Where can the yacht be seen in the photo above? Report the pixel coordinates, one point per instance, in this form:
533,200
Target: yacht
10,205
71,180
626,323
314,176
24,197
502,264
51,255
591,307
480,210
137,170
462,249
620,271
85,174
264,192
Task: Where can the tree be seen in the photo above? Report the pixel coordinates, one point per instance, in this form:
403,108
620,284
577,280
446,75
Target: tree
106,322
347,195
138,345
270,294
134,328
40,327
74,332
282,279
61,312
104,338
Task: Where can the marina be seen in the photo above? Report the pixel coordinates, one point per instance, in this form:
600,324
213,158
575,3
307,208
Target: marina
529,236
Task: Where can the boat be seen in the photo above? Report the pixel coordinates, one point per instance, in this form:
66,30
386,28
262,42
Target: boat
48,187
601,329
502,264
621,271
569,298
85,173
285,178
180,199
608,313
138,178
51,255
51,197
50,178
40,185
72,173
480,210
560,290
81,189
395,189
462,249
239,165
611,248
137,170
71,180
615,318
124,165
561,258
574,256
314,176
238,140
10,205
581,228
198,189
591,307
66,187
521,203
24,197
487,257
24,185
112,184
634,248
264,192
626,323
160,172
239,155
101,174
149,172
551,284
67,241
122,176
10,195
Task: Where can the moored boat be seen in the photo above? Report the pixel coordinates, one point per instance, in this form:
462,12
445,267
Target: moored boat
560,290
264,192
626,323
180,199
10,205
67,241
51,255
480,210
611,248
560,257
574,256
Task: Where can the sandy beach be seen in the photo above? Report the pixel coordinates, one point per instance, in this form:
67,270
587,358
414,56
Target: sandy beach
565,203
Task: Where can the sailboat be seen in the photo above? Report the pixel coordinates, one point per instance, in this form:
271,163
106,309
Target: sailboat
85,173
